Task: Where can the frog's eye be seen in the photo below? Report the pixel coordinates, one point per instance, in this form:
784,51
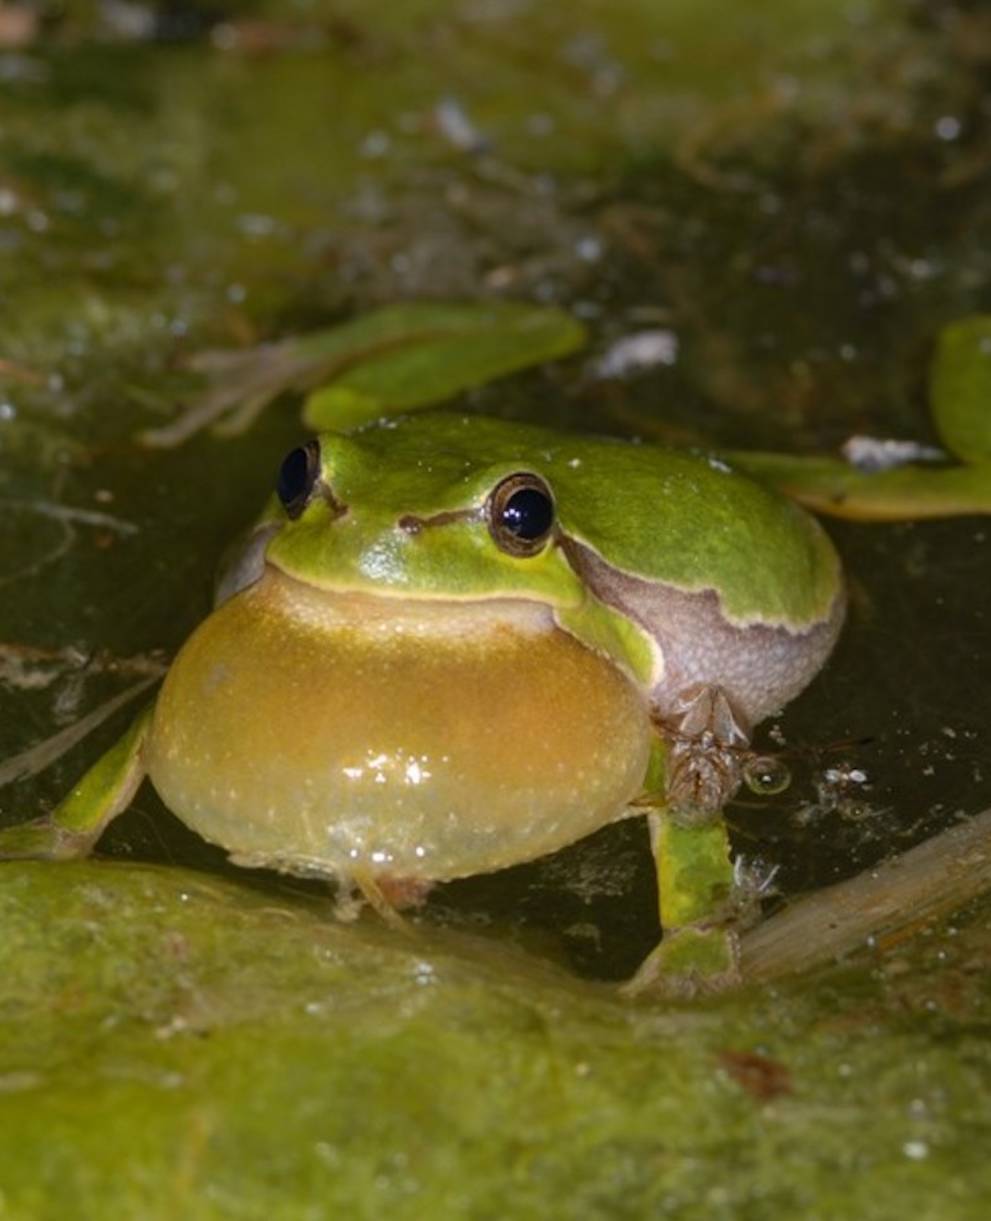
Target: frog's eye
521,514
298,476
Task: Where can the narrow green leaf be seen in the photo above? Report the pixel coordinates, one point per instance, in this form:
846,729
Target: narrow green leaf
419,355
903,493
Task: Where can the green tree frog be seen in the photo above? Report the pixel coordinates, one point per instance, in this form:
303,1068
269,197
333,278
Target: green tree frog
452,644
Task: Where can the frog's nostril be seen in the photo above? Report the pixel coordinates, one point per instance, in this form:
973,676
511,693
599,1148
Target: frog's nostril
410,523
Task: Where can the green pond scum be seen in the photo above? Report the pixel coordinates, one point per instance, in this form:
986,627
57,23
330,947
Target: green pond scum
226,226
178,1045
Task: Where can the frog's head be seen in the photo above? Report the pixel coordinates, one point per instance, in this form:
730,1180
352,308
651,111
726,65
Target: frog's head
436,506
601,533
421,513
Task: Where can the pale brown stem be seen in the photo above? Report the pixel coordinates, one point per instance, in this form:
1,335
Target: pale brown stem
43,754
879,907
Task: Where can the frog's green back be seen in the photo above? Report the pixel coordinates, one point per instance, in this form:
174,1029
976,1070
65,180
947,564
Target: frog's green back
659,514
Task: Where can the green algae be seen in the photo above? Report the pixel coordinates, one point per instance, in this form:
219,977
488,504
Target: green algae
176,1045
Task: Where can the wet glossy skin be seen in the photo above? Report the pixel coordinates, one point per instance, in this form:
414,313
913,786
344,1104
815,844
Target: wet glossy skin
328,733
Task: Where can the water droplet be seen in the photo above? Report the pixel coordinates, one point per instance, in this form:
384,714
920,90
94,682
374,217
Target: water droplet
766,775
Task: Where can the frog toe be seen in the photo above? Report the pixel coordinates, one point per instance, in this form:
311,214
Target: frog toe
43,839
689,962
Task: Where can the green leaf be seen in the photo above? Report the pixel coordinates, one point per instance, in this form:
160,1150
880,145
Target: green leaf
960,387
413,356
177,1045
903,493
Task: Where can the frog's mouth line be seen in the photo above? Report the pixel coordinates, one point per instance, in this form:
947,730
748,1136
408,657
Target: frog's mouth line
442,616
252,561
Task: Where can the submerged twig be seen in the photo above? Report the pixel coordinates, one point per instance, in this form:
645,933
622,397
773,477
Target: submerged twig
881,906
43,754
70,514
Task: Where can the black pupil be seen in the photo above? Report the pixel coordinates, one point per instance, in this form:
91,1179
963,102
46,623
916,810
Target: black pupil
528,514
295,477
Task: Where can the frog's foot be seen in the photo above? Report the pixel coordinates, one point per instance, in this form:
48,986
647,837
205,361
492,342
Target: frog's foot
690,961
44,839
405,894
707,744
386,894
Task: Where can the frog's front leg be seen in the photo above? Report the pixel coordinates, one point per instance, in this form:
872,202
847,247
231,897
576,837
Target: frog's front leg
79,820
704,741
